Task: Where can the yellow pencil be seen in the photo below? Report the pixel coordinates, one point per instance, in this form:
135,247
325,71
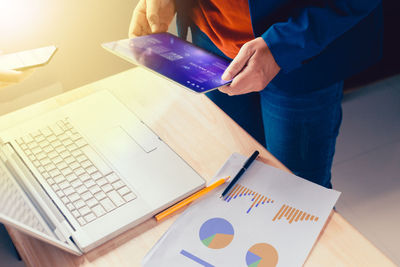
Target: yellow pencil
190,199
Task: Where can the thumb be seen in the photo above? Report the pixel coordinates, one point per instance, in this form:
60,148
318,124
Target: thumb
10,76
238,63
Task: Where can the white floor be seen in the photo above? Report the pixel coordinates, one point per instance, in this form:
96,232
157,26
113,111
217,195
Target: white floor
366,168
367,164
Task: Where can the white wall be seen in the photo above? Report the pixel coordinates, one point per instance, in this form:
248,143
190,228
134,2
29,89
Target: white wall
77,28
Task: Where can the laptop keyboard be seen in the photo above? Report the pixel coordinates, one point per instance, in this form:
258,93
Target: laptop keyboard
77,174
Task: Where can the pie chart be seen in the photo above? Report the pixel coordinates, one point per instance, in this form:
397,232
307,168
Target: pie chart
216,233
262,255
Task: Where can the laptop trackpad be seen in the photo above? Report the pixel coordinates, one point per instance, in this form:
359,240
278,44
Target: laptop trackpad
121,144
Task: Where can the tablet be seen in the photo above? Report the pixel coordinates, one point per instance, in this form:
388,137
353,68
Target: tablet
173,58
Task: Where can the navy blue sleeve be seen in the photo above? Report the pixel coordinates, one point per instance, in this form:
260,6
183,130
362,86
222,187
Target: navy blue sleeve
313,29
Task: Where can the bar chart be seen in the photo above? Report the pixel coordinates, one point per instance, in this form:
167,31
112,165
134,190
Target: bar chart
256,199
292,214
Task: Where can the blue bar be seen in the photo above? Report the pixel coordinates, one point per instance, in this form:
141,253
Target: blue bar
196,259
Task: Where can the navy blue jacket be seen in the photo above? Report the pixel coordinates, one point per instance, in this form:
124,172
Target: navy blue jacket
315,42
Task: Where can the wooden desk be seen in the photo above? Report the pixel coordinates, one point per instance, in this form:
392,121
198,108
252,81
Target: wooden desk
205,137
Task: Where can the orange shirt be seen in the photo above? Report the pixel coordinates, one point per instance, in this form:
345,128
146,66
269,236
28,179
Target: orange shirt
226,22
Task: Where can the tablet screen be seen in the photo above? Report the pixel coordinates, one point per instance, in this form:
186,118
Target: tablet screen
174,58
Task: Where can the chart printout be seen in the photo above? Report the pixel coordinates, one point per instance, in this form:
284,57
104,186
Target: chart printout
271,218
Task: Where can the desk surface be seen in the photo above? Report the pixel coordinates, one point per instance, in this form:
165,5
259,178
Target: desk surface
198,131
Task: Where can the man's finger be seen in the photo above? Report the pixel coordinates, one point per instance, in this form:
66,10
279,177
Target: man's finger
139,25
152,10
238,63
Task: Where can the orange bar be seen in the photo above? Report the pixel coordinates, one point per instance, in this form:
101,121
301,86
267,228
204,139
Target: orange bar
302,217
294,215
260,200
237,192
312,218
245,193
280,216
280,211
272,201
308,216
233,190
241,191
290,214
316,219
244,190
287,212
255,200
298,216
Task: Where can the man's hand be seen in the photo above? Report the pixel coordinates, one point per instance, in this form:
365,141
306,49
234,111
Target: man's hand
251,70
151,16
10,77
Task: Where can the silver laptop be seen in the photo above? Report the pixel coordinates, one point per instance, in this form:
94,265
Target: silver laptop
84,173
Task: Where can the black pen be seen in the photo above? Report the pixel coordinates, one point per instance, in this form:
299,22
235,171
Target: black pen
246,165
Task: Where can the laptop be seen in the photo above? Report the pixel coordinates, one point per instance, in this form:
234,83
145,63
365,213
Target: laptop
80,175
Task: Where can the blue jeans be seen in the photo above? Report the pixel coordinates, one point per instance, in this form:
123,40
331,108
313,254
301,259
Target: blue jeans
300,130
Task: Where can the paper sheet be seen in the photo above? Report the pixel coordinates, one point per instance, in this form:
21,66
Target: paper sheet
272,218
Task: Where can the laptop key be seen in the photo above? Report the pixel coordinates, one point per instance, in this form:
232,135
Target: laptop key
107,204
98,210
63,185
91,169
69,160
84,210
100,195
76,183
54,172
81,189
75,213
118,184
86,164
94,189
90,217
87,195
101,181
73,197
116,198
79,204
129,197
97,160
123,191
46,131
89,183
84,177
27,138
70,206
68,191
74,165
91,202
112,178
106,188
57,159
60,193
81,221
96,175
72,177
